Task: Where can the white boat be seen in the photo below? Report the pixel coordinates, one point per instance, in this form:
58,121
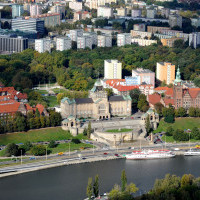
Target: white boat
150,154
192,152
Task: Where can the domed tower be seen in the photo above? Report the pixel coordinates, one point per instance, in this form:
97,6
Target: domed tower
178,90
98,91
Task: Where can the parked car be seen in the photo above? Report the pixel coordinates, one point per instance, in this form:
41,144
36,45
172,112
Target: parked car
105,153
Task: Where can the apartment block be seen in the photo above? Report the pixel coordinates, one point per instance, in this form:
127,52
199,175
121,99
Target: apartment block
104,41
122,12
13,44
170,41
75,5
103,11
151,13
83,42
165,12
141,34
50,20
29,24
43,45
123,39
175,20
63,43
93,35
157,29
75,33
17,10
195,22
58,9
112,69
144,76
79,15
139,27
136,13
143,42
35,9
165,71
194,39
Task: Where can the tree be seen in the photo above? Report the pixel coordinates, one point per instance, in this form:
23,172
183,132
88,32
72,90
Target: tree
52,144
134,94
38,150
197,81
27,146
195,134
42,121
96,186
147,124
89,129
159,106
89,188
123,181
142,103
180,135
85,131
37,113
192,112
20,122
76,141
11,149
187,180
181,112
169,131
109,91
168,114
115,193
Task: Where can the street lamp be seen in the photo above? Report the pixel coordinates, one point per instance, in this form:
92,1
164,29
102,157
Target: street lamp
46,152
93,147
69,148
21,156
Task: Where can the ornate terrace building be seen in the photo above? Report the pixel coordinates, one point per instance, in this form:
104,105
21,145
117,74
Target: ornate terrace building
98,105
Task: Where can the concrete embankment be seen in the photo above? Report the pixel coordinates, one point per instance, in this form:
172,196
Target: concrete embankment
51,165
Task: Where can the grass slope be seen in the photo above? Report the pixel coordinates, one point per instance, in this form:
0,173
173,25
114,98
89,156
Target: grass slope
47,134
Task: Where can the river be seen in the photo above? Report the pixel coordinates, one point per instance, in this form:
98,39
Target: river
69,182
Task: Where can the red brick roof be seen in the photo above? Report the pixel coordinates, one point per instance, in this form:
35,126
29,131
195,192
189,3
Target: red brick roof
113,82
169,92
154,98
161,88
9,106
168,101
194,92
40,108
123,88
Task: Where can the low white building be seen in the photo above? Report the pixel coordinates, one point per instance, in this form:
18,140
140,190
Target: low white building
42,45
104,41
123,39
83,42
141,34
136,13
73,34
143,42
194,39
63,43
104,11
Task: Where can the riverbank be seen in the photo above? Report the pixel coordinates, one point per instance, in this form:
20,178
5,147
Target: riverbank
61,163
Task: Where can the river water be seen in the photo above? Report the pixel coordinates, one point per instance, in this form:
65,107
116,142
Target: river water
69,182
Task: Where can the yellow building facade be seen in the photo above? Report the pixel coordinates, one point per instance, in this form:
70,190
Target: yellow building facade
112,69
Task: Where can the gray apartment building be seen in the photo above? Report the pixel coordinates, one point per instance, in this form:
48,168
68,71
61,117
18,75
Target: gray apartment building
23,24
12,44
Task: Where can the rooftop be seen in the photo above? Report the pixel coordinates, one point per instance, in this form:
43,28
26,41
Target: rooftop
141,71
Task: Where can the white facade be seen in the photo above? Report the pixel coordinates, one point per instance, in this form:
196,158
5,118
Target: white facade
151,13
195,22
74,5
83,42
175,20
104,41
139,27
194,39
143,42
93,4
35,9
75,33
112,69
136,13
17,10
42,45
103,11
58,9
122,12
63,43
141,34
123,39
93,36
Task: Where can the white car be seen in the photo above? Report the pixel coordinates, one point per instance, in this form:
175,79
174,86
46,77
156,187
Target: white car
176,149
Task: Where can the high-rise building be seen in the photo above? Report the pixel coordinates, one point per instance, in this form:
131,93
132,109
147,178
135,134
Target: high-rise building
63,43
75,33
122,12
30,24
151,13
42,45
104,41
75,5
165,71
13,44
84,41
112,69
93,35
136,13
35,9
194,39
175,20
17,10
104,11
123,39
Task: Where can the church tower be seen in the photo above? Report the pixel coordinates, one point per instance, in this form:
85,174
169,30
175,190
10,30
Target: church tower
178,90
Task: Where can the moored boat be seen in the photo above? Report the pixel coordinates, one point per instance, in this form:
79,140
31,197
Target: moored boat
150,154
192,152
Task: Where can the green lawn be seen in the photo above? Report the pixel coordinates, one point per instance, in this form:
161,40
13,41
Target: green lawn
57,90
180,123
52,101
42,91
65,147
47,134
118,131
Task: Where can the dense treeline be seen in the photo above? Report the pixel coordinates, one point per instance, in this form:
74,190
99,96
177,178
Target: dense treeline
19,122
77,70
